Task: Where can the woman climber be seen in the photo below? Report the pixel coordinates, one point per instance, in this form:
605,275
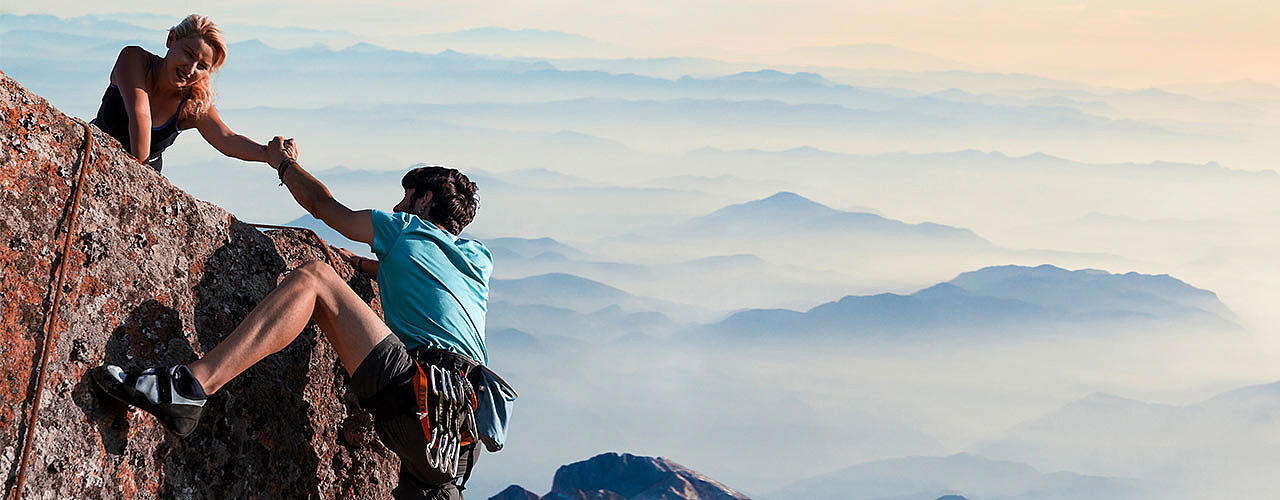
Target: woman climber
145,88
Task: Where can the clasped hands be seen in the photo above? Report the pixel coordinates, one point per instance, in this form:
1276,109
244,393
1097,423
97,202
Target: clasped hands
279,150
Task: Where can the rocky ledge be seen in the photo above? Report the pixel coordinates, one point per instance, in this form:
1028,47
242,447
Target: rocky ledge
154,276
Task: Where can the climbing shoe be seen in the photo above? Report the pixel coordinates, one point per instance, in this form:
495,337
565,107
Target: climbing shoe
172,395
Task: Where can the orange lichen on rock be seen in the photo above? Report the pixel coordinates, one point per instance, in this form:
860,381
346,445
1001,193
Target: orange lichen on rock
141,293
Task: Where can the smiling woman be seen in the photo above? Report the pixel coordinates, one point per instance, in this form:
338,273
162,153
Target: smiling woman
146,88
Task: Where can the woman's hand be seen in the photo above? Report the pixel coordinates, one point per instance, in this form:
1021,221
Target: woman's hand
291,149
279,150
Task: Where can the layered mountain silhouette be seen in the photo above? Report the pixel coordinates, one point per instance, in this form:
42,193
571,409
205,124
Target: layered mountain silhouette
533,249
1044,298
926,478
1104,432
566,291
613,476
1092,291
788,214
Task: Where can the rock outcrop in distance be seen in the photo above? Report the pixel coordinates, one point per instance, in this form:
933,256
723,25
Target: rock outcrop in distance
610,476
154,276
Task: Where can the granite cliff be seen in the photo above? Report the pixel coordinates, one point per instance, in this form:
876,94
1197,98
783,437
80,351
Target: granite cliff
153,275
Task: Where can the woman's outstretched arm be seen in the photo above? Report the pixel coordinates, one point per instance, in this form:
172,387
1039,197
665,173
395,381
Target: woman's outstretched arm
130,77
229,143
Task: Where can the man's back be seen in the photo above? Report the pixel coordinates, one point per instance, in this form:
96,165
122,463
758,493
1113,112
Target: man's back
434,286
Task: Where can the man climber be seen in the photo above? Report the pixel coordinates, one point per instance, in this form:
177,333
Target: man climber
434,287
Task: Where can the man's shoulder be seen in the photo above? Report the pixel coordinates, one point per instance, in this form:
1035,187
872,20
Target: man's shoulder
475,247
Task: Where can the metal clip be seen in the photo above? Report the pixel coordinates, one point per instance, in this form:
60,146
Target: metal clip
433,461
457,454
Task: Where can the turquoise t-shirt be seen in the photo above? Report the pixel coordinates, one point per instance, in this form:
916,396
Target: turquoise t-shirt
434,285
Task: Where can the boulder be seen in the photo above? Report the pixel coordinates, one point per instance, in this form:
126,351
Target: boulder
155,277
612,476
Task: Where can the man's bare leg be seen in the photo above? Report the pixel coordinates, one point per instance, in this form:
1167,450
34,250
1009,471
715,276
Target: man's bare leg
313,292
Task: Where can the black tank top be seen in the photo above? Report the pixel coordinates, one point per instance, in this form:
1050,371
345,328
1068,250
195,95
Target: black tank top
113,118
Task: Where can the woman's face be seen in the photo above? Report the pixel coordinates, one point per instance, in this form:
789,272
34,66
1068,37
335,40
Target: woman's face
188,61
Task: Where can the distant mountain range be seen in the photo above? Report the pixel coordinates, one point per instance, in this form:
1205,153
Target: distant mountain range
718,282
613,476
1228,438
533,248
579,294
451,72
951,181
972,161
786,215
928,478
1044,299
642,106
515,42
869,55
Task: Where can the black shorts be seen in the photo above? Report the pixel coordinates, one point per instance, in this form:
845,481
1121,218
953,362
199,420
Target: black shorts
384,384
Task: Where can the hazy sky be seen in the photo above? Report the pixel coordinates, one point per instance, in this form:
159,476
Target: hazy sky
1121,42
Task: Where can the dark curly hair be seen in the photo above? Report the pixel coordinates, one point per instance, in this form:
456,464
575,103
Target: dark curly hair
453,195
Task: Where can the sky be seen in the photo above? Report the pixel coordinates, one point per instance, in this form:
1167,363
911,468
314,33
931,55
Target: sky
1126,43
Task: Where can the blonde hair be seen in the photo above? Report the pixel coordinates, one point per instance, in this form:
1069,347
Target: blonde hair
201,92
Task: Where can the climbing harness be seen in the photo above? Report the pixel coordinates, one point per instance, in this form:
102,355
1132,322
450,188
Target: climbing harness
446,405
51,314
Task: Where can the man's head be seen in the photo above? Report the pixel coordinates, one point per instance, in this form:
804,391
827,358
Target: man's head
441,195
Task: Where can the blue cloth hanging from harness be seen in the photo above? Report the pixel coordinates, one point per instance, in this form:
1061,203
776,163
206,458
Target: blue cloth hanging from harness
496,399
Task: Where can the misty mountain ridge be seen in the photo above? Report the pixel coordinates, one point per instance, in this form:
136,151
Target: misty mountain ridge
1103,432
1050,286
871,56
980,159
775,76
789,214
533,248
452,66
509,42
110,31
1043,299
927,478
509,35
583,295
608,324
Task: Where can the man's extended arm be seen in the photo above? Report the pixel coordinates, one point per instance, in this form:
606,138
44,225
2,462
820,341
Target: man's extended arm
314,197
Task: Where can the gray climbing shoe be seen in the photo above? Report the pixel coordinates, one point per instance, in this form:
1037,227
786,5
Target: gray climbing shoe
153,391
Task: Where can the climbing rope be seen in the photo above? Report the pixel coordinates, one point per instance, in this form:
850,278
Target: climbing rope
51,315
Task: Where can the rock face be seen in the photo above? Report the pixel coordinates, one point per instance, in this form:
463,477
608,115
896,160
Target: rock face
611,476
154,276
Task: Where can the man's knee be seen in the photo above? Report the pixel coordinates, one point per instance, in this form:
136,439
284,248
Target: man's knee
315,274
